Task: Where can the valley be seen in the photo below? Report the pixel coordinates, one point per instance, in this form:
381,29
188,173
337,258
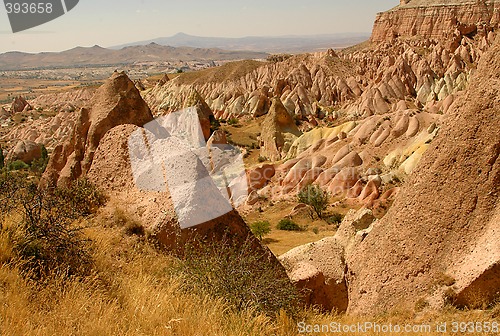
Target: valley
333,185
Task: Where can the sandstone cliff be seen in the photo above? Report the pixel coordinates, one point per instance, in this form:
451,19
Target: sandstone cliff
437,19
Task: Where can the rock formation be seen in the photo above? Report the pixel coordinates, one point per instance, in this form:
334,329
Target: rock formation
437,19
47,131
115,103
446,219
68,101
319,268
25,151
20,104
278,132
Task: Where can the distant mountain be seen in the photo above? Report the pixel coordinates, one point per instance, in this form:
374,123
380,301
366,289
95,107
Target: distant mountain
99,56
291,44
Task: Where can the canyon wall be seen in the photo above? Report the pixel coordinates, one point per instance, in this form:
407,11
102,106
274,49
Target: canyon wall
437,19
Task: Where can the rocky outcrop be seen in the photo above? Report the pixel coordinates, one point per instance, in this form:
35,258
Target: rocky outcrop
445,220
20,104
25,151
69,101
278,132
319,269
437,20
47,131
115,103
299,82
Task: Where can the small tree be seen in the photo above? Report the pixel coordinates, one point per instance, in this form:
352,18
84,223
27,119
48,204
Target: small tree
286,224
314,196
260,228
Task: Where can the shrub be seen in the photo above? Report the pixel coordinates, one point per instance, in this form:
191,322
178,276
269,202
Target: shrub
134,228
315,230
262,158
314,196
239,275
17,165
38,166
233,121
82,196
276,58
336,219
214,124
49,240
260,229
287,224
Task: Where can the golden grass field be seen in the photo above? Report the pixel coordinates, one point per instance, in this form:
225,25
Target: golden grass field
131,292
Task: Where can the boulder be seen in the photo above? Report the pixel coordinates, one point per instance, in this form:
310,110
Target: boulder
319,269
258,177
26,151
19,104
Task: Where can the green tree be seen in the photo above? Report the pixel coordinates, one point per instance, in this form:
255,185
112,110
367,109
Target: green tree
286,224
260,228
314,196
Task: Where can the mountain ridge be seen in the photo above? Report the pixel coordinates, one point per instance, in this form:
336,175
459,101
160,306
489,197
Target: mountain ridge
97,55
271,44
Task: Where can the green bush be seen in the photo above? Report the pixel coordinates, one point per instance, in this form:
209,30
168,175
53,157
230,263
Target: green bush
314,196
240,275
233,121
260,229
134,228
287,224
17,165
336,219
214,124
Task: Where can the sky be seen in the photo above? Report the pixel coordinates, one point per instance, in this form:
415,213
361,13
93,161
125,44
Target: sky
114,22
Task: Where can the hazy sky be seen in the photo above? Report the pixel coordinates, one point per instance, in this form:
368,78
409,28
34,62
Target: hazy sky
113,22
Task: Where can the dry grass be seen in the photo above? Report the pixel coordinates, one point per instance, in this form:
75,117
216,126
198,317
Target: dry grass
282,241
132,292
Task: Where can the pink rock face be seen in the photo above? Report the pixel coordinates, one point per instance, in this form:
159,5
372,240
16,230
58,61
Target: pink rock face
436,19
258,177
19,104
115,103
445,219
